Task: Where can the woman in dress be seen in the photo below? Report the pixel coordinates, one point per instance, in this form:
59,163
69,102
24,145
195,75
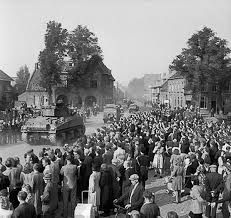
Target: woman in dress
197,200
177,175
94,188
158,160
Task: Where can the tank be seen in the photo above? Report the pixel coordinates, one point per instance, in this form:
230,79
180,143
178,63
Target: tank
54,126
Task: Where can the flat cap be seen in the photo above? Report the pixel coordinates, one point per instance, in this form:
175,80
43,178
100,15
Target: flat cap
134,177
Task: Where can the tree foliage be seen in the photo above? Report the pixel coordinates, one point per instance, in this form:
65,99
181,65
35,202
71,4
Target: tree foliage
84,51
23,76
204,61
51,58
81,45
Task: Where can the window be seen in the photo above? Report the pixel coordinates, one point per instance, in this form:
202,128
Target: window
214,88
178,101
42,100
203,102
70,64
93,84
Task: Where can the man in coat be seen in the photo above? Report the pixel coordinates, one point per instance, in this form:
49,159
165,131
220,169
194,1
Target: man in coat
24,210
143,165
69,172
133,198
214,185
86,168
37,187
48,198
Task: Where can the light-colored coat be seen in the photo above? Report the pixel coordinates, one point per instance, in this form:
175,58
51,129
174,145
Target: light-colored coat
197,201
94,189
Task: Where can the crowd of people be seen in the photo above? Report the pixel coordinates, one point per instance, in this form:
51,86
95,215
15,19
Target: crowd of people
114,163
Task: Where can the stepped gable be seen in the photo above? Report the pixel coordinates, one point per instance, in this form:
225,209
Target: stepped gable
5,77
35,81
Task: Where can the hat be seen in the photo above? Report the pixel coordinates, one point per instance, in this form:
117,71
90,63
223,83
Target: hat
213,166
47,176
134,177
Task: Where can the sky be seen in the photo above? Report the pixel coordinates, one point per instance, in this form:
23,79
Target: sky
137,36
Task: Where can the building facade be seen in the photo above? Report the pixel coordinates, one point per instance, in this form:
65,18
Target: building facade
164,99
6,91
97,90
150,80
175,91
176,84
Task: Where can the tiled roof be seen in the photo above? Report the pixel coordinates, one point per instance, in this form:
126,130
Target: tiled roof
4,76
164,86
177,75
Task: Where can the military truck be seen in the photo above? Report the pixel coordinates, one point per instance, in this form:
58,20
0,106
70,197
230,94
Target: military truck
55,126
111,113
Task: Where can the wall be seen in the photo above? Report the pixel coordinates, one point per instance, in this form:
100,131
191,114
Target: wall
176,92
37,99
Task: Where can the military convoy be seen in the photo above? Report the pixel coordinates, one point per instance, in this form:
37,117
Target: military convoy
54,126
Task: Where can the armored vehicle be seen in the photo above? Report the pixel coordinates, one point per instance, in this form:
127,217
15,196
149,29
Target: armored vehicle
111,113
55,125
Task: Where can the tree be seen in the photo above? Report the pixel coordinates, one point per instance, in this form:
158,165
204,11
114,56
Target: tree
84,51
51,58
23,76
205,61
83,44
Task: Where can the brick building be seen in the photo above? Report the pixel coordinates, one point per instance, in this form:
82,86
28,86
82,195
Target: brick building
98,89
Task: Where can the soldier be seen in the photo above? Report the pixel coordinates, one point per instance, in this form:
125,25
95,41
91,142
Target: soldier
213,185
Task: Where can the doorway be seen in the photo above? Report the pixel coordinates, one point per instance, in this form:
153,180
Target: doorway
214,105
